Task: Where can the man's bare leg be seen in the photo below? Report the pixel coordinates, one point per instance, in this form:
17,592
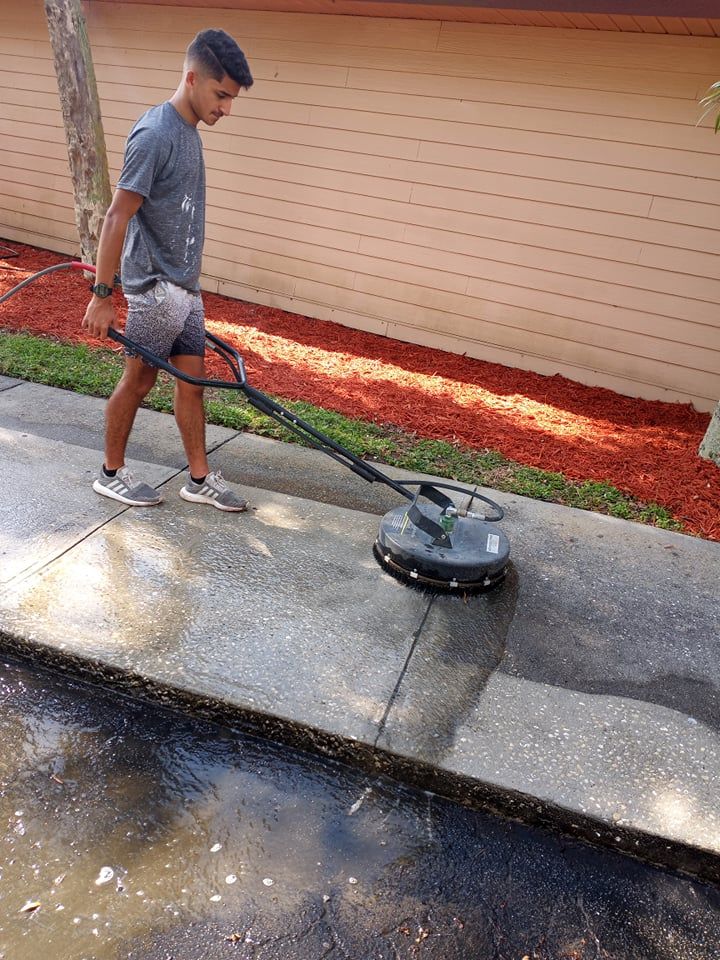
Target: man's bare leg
135,384
190,414
115,480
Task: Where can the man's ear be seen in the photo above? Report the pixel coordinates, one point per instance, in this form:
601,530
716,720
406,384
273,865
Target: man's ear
190,78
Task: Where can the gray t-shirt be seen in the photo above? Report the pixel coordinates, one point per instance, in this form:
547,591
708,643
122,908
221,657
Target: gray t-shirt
164,163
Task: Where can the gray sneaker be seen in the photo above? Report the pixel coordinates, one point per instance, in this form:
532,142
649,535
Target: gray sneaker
126,489
215,491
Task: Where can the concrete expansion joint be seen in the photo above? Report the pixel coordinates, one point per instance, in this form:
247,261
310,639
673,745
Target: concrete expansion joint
403,673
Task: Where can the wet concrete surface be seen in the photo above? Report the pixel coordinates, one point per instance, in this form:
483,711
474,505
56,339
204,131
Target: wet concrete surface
129,832
583,692
243,625
36,530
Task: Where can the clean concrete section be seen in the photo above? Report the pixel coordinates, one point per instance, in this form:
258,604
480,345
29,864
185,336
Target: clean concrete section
583,691
47,506
283,610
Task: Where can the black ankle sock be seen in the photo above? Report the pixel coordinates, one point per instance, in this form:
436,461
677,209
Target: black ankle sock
197,479
108,473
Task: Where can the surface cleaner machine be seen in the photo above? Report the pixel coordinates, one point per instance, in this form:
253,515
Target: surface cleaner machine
430,540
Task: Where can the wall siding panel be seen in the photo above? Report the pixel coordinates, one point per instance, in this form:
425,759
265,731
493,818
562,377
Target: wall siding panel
534,195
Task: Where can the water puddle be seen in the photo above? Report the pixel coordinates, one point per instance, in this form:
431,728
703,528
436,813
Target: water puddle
132,832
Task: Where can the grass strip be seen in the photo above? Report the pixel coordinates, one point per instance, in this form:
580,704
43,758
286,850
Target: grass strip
95,372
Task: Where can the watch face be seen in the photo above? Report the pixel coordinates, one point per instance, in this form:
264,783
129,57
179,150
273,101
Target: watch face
102,290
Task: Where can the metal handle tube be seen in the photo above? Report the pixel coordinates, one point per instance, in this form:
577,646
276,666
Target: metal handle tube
229,354
320,441
169,368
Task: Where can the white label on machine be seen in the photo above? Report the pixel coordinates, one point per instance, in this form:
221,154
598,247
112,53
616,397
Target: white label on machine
493,543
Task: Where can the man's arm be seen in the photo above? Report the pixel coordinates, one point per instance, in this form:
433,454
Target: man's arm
100,314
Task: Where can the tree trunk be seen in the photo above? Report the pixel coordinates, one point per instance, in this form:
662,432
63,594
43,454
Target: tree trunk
83,122
710,447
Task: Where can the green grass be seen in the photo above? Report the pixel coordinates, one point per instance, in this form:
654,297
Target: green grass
95,372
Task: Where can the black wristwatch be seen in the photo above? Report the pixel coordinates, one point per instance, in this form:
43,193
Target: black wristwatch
101,290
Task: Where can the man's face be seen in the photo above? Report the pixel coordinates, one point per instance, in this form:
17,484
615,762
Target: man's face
211,99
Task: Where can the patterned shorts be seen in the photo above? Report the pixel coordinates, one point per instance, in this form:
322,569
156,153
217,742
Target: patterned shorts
167,320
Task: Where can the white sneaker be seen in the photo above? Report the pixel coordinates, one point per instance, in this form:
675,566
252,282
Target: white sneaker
124,488
215,491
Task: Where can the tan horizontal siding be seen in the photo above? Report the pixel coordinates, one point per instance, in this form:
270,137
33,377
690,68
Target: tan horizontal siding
629,314
36,198
534,195
588,49
471,161
616,286
34,194
44,221
22,157
515,91
38,145
700,26
24,234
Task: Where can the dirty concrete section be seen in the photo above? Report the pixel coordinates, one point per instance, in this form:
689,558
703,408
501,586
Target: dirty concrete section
36,410
583,691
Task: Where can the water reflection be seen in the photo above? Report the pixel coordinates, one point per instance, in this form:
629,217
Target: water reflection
132,832
183,819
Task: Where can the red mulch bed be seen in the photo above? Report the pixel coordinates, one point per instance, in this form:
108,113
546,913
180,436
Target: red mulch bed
648,449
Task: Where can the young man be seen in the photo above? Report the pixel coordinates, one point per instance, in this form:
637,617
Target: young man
157,221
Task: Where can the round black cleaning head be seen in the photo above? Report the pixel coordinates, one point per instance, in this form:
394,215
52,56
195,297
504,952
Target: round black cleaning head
472,555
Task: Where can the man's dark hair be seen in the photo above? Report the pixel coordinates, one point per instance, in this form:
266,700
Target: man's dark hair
217,54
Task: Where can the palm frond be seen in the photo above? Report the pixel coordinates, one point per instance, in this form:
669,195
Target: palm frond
711,102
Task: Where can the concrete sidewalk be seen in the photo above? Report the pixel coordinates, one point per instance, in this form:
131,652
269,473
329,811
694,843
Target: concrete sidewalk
582,693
